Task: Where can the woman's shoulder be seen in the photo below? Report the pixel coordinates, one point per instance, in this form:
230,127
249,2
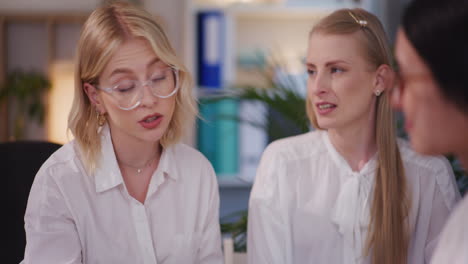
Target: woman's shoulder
433,164
184,160
61,157
426,168
454,237
188,154
303,145
459,216
60,166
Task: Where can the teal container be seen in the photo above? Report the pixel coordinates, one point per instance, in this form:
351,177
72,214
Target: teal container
218,135
227,137
206,133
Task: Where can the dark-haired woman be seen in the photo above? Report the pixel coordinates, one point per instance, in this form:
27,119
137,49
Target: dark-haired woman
432,52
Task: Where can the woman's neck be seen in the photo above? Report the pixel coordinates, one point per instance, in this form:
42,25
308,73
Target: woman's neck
356,145
133,152
137,160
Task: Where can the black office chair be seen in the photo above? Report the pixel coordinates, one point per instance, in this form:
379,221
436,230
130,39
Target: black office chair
19,163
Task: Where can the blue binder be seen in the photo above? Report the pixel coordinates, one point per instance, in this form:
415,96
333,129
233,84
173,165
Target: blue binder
210,43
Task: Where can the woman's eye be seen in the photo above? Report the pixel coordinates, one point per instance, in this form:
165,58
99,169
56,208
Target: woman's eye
157,77
124,87
310,72
336,70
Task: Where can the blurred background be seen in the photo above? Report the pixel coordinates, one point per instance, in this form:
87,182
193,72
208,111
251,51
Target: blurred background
246,56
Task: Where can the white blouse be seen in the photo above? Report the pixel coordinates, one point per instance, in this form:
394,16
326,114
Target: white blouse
308,206
73,217
453,244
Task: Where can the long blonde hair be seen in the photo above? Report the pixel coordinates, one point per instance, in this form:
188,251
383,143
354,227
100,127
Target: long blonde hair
102,34
388,237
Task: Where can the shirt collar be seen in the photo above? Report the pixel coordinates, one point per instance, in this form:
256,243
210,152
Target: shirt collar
107,174
351,211
167,168
168,162
370,166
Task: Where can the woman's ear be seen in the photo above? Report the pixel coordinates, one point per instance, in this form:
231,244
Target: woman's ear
94,97
384,79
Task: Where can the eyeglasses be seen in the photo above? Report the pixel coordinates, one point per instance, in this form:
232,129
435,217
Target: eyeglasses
163,83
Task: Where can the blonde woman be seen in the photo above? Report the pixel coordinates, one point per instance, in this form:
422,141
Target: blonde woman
125,190
349,192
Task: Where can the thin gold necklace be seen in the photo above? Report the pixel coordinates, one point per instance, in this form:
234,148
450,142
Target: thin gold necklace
139,169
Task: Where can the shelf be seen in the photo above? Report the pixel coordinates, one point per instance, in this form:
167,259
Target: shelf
231,181
215,93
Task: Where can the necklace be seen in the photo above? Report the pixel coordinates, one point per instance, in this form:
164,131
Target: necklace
139,169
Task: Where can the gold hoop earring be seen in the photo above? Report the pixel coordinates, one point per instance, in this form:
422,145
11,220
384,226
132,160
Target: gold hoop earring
101,118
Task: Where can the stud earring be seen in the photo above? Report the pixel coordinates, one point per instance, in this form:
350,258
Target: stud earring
377,93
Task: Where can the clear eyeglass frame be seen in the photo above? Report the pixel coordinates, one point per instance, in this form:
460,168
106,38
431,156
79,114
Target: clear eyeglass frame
138,97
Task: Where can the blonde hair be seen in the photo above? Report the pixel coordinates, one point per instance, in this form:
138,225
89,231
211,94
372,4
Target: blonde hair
388,236
102,34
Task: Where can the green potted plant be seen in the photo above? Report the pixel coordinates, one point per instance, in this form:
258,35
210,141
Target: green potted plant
25,90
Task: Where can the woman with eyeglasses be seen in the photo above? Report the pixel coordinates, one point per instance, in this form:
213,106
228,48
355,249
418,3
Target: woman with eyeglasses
349,192
432,52
125,190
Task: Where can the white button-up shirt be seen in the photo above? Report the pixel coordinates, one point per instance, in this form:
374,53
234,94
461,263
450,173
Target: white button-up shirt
308,206
73,217
453,243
